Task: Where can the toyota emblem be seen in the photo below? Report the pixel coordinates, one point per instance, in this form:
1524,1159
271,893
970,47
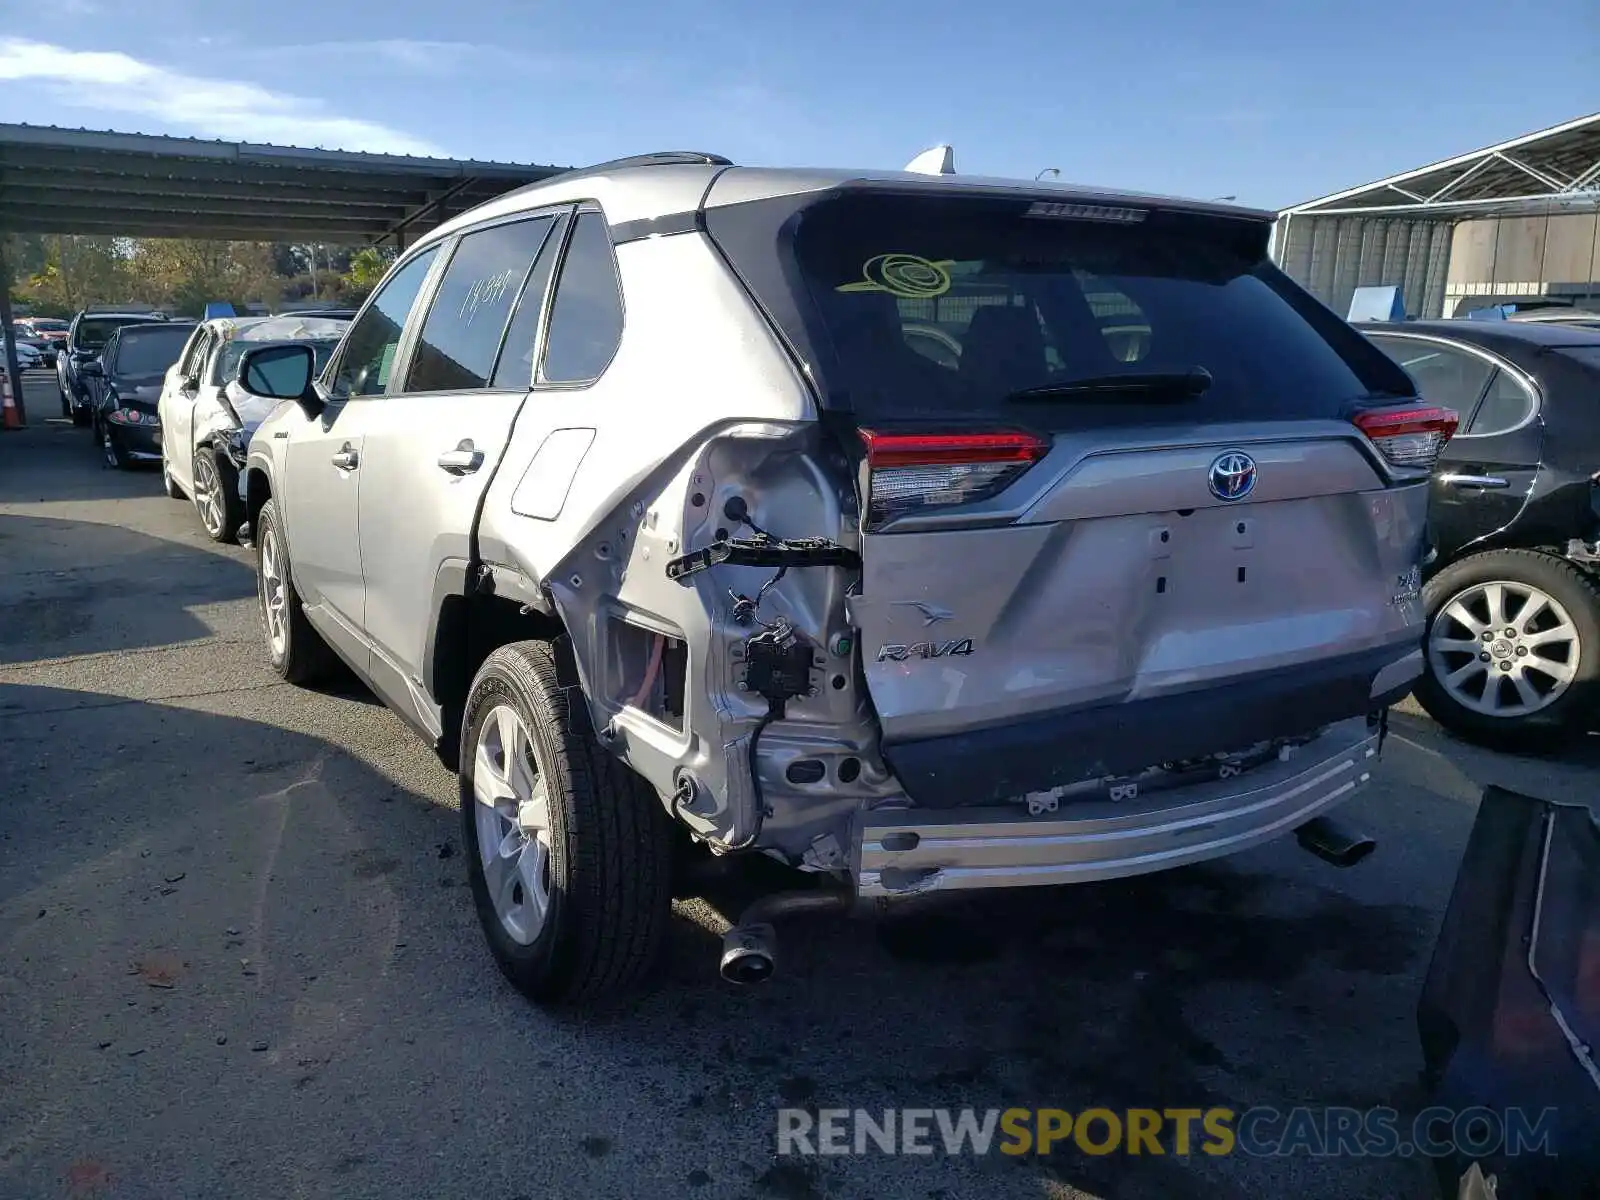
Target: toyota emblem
1232,475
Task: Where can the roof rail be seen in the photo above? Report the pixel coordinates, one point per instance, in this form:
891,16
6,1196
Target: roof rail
661,158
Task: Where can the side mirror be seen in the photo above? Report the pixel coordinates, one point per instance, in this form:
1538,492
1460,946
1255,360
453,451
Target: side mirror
92,367
279,373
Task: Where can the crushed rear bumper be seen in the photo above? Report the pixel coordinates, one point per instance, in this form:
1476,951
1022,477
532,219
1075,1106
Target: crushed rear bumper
905,851
1052,749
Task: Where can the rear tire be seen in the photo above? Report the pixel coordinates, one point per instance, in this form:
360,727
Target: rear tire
294,647
110,448
1542,654
603,852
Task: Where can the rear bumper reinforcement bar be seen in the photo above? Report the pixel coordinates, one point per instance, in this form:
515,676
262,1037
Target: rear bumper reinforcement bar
906,851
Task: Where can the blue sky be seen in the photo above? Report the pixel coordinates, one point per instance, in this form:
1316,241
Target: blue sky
1271,102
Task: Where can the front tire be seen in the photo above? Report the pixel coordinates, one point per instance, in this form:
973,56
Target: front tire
568,851
216,495
1512,654
294,648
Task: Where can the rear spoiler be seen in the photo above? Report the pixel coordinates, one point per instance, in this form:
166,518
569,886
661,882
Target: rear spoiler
1510,1011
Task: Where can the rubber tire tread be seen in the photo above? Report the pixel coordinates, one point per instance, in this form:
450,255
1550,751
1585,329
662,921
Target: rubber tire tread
307,658
1578,592
611,898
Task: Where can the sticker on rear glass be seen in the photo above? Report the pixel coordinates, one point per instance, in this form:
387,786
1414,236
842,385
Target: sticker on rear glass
907,276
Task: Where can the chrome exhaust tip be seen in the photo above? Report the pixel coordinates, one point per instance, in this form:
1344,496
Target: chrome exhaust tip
748,956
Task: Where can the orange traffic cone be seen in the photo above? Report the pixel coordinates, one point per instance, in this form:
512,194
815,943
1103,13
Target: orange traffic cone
13,419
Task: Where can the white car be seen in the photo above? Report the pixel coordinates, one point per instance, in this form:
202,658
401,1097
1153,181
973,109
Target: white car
28,359
207,419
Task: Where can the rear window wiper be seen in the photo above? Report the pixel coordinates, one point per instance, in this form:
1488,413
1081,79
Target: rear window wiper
1177,384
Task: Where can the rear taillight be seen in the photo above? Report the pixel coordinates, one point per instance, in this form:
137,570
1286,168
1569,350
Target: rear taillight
1408,437
910,472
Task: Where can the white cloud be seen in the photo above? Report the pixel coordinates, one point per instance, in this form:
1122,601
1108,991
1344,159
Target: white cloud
117,84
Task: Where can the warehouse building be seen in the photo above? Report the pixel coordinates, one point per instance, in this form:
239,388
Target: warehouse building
1511,223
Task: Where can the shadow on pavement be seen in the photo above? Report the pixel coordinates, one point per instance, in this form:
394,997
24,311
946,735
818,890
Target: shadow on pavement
236,958
76,587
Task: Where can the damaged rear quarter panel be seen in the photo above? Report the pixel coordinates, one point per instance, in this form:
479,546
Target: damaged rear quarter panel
699,404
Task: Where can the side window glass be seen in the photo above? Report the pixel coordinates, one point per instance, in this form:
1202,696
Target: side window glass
515,368
1505,406
586,315
189,362
370,346
1443,375
461,335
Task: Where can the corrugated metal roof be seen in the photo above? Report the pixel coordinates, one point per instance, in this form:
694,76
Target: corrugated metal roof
1558,167
55,180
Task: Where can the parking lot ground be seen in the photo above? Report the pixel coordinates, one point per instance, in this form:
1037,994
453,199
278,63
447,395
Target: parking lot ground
237,955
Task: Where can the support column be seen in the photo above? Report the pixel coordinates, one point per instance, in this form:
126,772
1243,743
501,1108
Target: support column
13,371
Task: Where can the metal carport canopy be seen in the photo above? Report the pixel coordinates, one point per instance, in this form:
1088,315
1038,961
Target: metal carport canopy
142,185
1553,169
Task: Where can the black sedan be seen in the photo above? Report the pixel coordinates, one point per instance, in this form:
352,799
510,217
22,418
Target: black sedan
125,383
1513,589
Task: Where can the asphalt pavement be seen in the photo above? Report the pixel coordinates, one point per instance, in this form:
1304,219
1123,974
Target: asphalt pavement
238,957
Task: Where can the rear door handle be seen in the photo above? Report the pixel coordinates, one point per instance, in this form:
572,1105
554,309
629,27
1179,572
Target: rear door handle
463,460
346,460
1453,479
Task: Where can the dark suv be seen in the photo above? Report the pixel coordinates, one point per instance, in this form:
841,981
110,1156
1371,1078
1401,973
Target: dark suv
85,340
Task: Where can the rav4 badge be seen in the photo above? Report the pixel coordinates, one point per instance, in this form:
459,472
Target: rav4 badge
925,650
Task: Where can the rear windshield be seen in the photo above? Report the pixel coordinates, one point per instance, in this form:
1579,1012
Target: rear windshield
943,307
94,334
149,351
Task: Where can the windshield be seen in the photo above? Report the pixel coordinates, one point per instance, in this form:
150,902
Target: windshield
49,326
943,306
94,333
227,363
149,351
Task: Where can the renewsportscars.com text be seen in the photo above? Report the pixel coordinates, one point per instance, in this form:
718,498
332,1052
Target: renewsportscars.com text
1259,1131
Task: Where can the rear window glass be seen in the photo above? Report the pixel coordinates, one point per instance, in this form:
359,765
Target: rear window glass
149,351
94,334
930,306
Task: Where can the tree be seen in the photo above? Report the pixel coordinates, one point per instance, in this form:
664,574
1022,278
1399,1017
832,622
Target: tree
76,272
367,267
185,274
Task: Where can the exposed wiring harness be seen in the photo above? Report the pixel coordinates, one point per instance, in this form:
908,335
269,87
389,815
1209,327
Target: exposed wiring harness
778,658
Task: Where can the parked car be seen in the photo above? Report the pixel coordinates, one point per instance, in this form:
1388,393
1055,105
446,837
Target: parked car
39,349
1559,316
629,492
125,382
336,314
1513,600
28,356
86,338
207,417
48,334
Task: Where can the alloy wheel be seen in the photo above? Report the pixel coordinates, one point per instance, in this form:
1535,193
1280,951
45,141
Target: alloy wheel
274,593
512,815
1503,649
208,493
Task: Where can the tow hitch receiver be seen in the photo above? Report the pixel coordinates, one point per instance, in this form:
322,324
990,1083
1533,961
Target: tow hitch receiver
1510,1011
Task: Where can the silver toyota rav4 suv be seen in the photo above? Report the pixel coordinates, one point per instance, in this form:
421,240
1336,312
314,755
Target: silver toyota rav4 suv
920,532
